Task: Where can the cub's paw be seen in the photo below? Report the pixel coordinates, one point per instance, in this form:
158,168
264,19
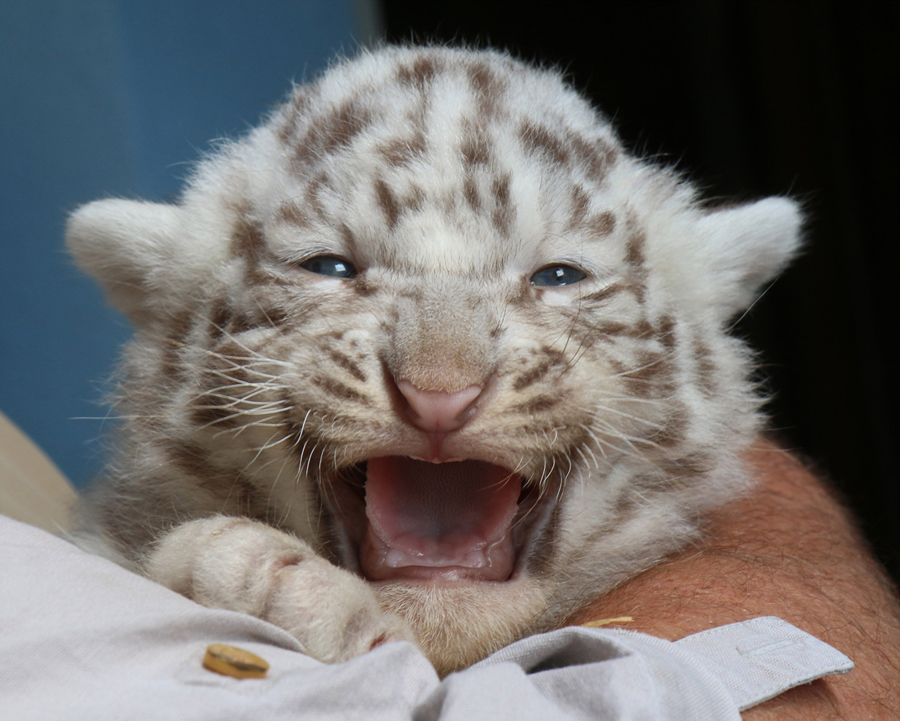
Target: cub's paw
242,565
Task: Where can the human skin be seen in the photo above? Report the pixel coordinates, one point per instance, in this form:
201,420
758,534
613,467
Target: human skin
788,549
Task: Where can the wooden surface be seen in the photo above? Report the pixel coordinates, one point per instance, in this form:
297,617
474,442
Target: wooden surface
32,489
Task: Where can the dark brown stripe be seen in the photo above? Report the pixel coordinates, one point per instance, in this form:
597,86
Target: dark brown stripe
292,214
233,322
476,149
580,203
330,132
219,314
176,338
247,238
487,88
297,108
634,249
219,371
641,330
343,126
190,458
612,328
541,560
538,139
637,283
415,201
209,410
665,331
597,156
538,404
273,316
249,500
502,217
388,202
689,467
480,78
313,201
603,224
348,365
339,390
402,152
651,376
533,376
239,322
420,73
470,193
674,430
599,296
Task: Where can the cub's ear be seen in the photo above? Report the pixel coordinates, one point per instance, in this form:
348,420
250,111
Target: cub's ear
747,246
131,247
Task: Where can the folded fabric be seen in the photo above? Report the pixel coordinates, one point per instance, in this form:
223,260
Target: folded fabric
81,638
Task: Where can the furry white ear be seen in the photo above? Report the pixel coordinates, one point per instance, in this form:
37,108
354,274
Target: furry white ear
130,247
747,246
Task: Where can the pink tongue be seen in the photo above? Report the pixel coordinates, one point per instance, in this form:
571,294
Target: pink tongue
444,520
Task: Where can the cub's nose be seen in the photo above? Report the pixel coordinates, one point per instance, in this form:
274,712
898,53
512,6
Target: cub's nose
435,411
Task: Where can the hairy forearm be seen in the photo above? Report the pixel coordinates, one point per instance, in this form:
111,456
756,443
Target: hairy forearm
787,550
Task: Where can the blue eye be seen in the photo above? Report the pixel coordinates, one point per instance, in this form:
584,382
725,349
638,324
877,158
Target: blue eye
330,265
552,276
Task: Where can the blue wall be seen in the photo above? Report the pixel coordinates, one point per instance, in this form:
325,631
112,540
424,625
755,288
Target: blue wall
103,98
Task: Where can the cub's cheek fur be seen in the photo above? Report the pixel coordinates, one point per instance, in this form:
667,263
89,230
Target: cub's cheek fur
428,256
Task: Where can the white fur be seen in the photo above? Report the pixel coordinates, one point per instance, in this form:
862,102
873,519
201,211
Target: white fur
448,178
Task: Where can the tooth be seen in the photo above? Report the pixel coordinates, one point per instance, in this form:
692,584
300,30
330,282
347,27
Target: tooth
396,559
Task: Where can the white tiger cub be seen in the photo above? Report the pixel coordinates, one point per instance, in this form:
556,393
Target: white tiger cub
426,356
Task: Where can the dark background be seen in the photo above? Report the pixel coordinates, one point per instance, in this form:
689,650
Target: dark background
753,99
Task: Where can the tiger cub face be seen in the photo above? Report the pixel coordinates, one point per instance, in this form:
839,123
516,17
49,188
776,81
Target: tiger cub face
433,320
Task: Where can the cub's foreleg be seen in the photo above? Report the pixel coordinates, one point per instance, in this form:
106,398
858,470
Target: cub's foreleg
242,565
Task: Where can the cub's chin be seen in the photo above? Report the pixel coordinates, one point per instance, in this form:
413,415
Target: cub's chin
459,623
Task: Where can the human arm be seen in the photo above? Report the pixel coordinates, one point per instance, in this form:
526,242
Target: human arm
790,550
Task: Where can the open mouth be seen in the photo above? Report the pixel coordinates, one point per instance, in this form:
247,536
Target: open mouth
453,521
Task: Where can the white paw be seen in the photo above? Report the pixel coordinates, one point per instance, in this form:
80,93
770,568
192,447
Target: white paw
242,565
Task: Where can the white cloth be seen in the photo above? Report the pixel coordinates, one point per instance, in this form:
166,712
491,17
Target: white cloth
81,638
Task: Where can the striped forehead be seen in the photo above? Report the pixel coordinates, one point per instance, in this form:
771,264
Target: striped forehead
441,159
438,112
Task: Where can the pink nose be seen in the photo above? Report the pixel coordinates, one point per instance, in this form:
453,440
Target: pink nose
435,411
